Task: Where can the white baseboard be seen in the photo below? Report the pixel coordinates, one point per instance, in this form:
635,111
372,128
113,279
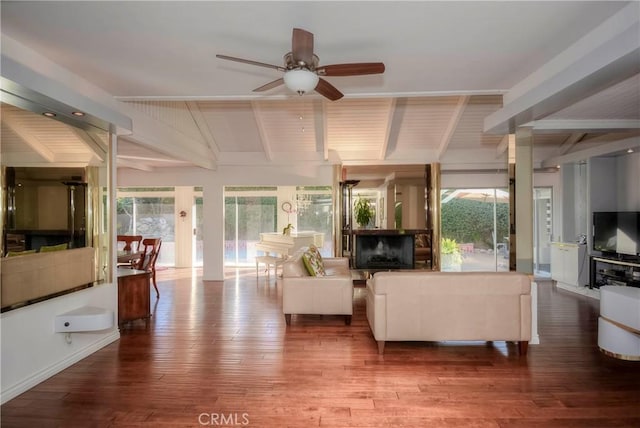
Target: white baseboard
585,291
46,373
535,338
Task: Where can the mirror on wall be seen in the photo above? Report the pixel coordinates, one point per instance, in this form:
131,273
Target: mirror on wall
385,203
396,194
55,196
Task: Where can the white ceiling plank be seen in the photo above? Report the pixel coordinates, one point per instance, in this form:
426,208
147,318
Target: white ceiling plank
203,127
399,110
451,126
520,62
280,158
147,159
320,127
607,55
502,146
385,145
125,163
605,149
587,125
264,138
157,135
569,143
96,147
21,129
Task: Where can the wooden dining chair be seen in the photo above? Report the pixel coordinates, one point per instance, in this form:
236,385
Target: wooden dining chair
131,242
151,249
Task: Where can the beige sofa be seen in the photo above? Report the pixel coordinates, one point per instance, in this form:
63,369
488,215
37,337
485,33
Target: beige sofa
331,294
440,306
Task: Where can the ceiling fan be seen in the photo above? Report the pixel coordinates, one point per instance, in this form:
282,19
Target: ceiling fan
302,72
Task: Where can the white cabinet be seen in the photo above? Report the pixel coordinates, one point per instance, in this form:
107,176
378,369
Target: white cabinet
569,264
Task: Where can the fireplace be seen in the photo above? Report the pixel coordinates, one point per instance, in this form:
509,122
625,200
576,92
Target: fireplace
385,251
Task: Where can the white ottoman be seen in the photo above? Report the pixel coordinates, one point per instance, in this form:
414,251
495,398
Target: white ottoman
619,323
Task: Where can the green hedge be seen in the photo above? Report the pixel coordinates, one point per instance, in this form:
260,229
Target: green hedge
469,221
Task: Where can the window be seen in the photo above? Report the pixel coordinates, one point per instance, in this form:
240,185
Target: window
248,211
149,212
315,213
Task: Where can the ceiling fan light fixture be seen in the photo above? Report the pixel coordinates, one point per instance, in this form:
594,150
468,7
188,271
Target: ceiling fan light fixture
301,80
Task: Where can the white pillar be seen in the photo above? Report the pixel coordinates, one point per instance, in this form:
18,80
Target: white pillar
213,231
184,204
524,199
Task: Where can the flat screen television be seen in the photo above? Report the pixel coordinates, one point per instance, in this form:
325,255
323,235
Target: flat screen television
617,232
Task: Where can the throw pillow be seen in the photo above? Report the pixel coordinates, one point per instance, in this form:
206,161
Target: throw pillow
316,253
312,261
50,248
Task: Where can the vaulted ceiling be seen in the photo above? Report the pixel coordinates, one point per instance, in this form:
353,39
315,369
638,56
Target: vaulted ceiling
450,68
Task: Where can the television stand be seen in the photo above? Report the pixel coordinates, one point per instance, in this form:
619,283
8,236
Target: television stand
614,271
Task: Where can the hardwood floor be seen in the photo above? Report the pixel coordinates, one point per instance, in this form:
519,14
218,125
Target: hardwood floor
219,354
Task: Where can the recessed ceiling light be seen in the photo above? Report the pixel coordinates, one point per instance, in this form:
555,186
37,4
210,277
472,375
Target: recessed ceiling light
49,114
630,151
77,113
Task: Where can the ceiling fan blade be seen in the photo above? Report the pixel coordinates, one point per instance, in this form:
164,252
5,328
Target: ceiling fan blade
302,46
355,69
270,85
248,61
327,90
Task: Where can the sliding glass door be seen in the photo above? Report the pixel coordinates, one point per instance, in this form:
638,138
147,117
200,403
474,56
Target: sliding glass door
542,230
247,213
315,214
150,213
197,231
173,214
475,229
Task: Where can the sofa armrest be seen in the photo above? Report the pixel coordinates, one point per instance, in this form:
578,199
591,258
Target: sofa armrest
525,317
330,295
377,313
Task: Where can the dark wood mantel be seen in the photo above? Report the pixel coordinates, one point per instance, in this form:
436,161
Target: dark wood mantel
390,231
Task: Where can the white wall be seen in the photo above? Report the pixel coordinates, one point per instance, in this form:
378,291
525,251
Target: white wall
603,192
213,183
473,181
628,182
606,183
32,351
575,191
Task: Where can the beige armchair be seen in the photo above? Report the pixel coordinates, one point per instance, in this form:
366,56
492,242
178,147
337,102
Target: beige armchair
331,294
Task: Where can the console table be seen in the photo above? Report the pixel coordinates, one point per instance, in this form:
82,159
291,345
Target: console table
134,297
611,271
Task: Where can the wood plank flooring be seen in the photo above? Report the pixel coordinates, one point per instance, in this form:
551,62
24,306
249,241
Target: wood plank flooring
220,354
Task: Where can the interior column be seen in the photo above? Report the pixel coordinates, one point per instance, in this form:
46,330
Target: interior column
433,210
521,200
